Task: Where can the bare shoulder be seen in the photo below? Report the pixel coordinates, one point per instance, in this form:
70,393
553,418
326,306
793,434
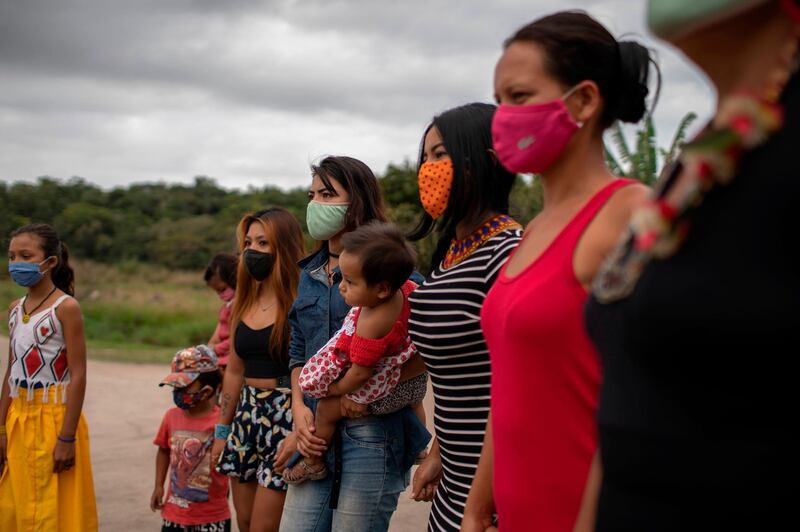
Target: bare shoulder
69,309
624,201
377,322
630,196
13,304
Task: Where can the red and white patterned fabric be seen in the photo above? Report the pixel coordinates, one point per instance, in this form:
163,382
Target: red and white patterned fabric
386,355
38,351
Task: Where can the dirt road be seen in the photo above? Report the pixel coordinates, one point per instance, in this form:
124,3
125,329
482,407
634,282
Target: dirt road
123,408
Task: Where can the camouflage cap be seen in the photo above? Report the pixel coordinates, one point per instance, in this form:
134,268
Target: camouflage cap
188,364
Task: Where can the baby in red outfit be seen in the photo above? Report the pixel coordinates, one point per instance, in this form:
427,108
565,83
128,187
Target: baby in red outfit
364,359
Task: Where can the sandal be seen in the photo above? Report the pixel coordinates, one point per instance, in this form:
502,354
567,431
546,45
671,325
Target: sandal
301,472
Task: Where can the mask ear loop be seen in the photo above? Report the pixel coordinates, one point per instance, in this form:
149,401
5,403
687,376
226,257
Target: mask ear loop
569,93
45,260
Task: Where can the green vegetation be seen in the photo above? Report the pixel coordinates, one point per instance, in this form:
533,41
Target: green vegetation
182,226
138,251
177,226
136,312
646,160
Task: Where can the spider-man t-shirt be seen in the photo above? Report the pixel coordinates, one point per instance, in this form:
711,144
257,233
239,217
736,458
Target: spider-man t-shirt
197,494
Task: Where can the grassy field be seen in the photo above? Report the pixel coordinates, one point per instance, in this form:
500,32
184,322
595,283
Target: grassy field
136,312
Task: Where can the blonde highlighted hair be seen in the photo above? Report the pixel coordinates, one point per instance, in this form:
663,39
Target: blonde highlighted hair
286,240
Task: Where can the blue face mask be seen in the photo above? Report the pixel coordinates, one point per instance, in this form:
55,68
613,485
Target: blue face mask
26,274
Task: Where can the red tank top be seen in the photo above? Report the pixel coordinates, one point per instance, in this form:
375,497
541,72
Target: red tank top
545,384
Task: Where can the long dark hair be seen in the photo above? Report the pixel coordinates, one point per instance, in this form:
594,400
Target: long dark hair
579,48
62,274
366,201
286,239
480,183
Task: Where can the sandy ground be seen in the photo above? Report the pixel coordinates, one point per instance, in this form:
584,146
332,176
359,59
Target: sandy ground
123,408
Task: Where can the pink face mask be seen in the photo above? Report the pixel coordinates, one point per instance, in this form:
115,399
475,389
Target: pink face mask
528,139
227,294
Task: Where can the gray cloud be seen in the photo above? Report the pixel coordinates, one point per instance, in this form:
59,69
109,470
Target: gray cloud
249,92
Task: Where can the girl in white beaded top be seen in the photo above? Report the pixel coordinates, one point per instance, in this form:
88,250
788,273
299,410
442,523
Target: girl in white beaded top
42,394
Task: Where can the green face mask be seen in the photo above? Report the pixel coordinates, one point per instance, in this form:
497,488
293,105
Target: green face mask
324,220
670,19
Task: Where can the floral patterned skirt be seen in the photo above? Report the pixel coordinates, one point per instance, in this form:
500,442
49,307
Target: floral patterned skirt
263,419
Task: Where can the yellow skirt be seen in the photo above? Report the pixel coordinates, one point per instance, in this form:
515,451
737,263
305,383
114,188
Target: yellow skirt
32,497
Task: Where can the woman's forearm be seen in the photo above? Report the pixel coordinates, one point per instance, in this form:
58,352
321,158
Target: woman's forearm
76,391
72,322
587,514
231,388
297,393
435,447
5,394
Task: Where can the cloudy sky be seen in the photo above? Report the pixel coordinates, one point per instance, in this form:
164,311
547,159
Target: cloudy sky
248,92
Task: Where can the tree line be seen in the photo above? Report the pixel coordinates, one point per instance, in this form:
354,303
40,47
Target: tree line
181,226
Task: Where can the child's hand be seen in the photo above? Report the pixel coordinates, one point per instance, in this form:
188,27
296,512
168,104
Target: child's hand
351,409
157,498
63,456
216,451
308,444
285,451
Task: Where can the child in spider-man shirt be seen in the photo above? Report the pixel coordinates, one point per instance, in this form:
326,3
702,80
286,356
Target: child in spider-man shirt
197,496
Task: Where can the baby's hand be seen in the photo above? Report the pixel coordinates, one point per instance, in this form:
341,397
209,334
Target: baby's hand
351,409
157,498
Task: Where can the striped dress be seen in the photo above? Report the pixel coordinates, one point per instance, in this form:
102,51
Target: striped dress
445,326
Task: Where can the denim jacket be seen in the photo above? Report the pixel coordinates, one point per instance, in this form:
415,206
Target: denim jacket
317,313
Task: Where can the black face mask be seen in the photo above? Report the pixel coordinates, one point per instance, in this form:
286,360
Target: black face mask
259,265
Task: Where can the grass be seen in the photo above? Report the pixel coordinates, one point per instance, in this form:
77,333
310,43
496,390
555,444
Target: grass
136,312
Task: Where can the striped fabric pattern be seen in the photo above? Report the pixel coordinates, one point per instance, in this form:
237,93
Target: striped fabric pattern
445,326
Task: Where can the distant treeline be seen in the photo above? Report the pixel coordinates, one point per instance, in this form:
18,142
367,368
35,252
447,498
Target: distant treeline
182,226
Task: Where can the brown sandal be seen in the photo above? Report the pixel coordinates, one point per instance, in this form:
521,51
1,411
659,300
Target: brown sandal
301,472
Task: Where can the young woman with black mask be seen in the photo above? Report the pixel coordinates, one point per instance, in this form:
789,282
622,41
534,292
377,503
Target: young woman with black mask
248,435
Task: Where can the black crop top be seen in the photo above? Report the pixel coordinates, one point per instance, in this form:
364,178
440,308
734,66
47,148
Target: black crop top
253,348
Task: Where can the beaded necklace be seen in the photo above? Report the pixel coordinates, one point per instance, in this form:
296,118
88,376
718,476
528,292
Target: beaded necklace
658,228
461,249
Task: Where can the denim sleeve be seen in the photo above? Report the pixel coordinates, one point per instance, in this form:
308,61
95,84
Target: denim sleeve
297,342
417,277
407,436
415,437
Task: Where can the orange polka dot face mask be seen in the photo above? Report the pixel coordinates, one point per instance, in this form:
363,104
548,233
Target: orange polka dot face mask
435,181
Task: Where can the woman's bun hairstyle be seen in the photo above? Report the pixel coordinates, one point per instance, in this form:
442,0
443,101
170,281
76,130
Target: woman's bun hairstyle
579,48
634,69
